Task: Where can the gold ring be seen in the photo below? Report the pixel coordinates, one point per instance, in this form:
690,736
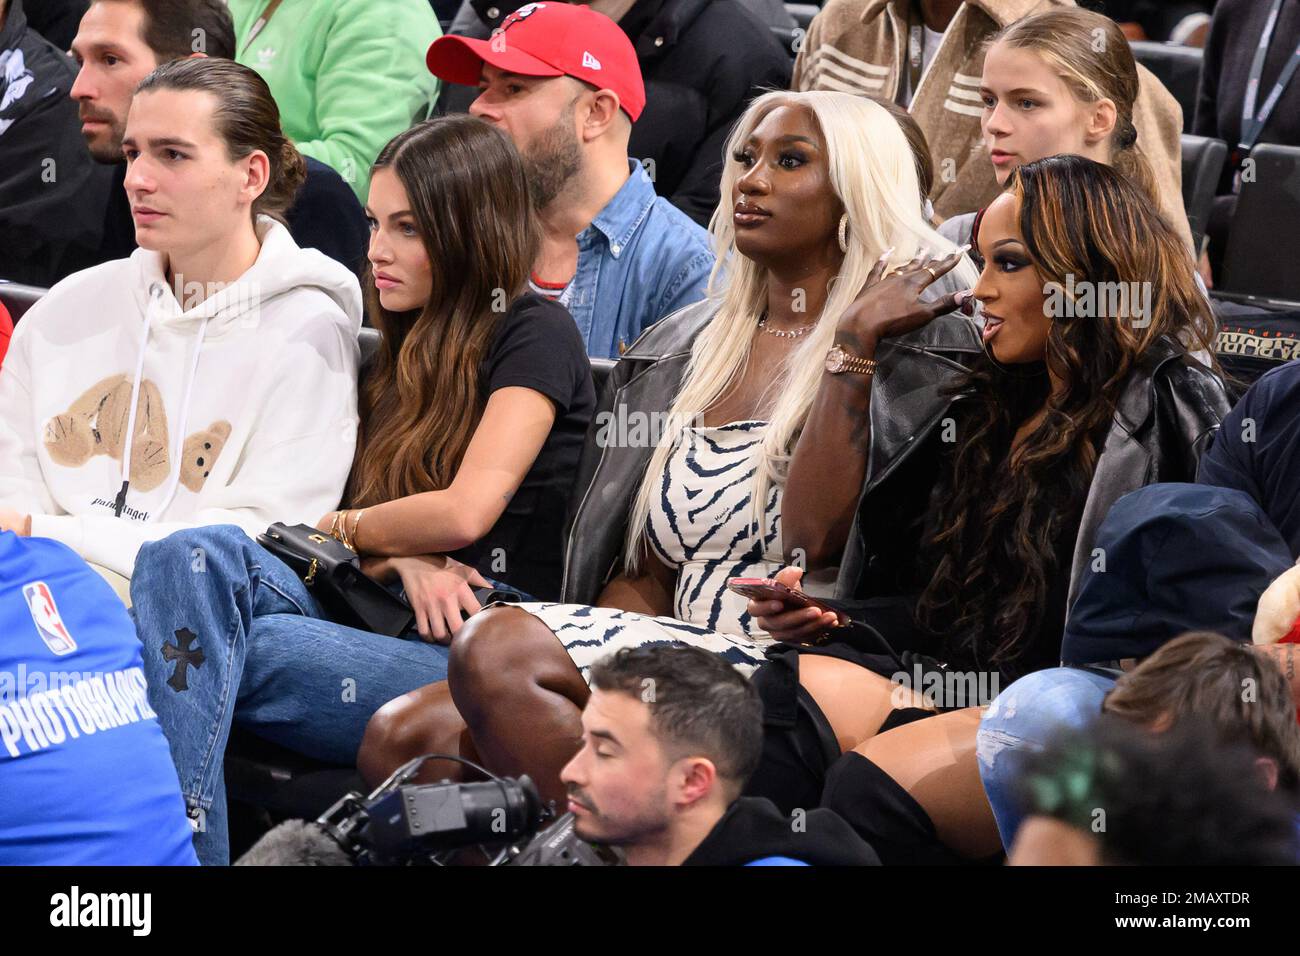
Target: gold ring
930,269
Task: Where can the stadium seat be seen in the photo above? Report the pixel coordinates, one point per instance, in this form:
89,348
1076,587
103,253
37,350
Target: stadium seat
19,298
1202,165
282,784
1253,340
600,369
803,13
1177,67
1259,258
369,340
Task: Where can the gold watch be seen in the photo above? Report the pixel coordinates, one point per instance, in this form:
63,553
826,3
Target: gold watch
838,360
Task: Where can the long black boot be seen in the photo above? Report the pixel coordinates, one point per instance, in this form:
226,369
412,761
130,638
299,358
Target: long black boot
884,814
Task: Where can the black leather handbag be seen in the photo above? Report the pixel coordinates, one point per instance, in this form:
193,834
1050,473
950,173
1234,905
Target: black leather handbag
332,572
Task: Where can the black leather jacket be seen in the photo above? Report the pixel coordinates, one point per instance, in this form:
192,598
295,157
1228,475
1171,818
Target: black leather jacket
645,379
1166,416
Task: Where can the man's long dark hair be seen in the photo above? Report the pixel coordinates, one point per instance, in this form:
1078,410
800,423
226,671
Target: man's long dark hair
998,514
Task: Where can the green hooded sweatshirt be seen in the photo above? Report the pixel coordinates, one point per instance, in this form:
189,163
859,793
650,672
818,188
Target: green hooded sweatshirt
348,75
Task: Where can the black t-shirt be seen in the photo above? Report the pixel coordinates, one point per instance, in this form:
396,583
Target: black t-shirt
537,346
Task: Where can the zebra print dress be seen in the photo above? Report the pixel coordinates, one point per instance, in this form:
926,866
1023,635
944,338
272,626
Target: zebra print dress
700,525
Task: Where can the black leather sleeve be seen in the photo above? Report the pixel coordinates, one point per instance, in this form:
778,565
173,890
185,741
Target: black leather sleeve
1191,402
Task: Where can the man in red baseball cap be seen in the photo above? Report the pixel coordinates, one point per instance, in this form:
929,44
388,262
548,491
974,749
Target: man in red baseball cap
563,82
549,39
701,61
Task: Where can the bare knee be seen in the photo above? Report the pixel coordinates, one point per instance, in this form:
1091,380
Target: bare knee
483,640
934,760
498,651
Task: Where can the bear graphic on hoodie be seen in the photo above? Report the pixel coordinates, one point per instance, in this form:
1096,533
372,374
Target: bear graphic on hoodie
96,424
132,410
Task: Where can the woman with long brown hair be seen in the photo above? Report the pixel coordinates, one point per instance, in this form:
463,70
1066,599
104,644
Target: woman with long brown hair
963,549
474,409
473,414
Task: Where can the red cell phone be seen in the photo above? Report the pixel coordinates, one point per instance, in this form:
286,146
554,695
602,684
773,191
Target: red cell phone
767,589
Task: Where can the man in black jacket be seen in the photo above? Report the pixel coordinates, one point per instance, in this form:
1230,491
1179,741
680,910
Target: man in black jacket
670,734
702,62
52,195
1226,76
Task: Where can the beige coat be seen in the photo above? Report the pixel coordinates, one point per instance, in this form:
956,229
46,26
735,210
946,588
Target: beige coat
859,46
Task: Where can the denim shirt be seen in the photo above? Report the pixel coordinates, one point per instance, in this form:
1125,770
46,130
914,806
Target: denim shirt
639,260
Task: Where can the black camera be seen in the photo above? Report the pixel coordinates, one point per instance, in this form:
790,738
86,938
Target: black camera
402,823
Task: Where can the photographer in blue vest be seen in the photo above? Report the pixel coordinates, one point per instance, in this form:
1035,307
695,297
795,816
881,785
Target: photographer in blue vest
86,777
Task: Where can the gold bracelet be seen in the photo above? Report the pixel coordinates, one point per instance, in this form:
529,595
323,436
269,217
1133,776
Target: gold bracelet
334,527
356,522
343,532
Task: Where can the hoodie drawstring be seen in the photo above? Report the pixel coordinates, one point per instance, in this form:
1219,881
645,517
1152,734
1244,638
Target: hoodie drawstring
184,420
155,294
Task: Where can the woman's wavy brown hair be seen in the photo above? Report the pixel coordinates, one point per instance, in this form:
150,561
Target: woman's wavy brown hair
420,401
996,514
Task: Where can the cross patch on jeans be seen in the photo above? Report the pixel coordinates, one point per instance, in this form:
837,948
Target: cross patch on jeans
184,656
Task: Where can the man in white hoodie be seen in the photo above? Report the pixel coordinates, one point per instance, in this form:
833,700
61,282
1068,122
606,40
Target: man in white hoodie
208,379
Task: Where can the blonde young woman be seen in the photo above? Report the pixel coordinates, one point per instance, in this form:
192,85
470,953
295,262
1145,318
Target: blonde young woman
1064,81
817,187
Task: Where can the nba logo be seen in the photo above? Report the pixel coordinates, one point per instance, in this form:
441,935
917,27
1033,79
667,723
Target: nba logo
45,614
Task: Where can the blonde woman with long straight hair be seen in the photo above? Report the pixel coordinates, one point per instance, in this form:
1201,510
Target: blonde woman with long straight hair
816,187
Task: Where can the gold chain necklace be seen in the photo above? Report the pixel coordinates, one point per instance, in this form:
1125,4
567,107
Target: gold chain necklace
784,333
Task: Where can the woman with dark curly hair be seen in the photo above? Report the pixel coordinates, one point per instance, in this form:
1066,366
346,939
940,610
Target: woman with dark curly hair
963,540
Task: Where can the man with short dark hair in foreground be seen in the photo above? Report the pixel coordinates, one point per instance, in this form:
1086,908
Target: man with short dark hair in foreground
669,737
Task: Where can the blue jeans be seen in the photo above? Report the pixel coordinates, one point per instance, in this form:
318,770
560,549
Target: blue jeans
231,634
1022,718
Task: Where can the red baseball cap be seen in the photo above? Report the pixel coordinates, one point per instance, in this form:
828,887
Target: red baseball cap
548,39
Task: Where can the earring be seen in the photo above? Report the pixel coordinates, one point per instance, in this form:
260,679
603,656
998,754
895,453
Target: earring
844,233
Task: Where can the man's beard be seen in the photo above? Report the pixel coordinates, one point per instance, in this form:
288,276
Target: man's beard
551,160
106,148
633,827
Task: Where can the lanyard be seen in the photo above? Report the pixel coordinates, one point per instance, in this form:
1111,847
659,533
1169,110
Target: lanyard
263,20
1252,123
915,47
